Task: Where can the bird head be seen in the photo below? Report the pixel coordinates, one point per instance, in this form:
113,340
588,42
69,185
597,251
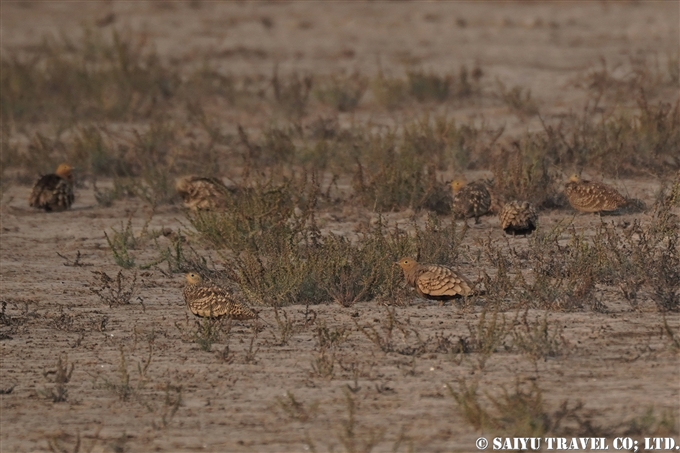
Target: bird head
182,184
407,264
193,278
574,178
457,185
64,171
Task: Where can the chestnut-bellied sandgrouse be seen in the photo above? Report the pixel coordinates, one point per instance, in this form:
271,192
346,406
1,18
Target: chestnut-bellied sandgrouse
211,301
470,200
201,193
518,217
434,281
53,192
587,196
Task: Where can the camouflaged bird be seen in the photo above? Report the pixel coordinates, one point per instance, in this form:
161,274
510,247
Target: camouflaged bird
53,192
470,200
203,194
518,217
211,301
436,282
587,196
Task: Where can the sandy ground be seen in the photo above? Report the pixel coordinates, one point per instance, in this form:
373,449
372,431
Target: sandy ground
618,363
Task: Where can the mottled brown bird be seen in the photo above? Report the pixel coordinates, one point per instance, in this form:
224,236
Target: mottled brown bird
518,217
53,192
203,193
211,301
433,281
587,196
470,200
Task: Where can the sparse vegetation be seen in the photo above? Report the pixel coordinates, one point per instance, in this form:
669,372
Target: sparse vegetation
538,339
59,377
206,332
115,292
125,385
521,412
335,169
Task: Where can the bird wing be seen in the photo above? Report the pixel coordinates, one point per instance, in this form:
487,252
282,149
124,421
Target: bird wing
63,195
214,301
51,192
518,216
439,281
594,197
473,200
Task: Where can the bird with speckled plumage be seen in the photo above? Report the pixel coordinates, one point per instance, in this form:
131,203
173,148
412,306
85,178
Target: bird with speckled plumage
54,192
201,193
434,281
208,300
470,200
595,197
518,217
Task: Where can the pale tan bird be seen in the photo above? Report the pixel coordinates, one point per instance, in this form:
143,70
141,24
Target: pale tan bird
587,196
54,192
436,282
211,301
203,193
470,200
518,217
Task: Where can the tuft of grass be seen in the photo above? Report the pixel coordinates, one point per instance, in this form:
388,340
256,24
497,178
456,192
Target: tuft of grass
672,335
388,179
390,93
205,332
125,386
60,377
538,339
295,409
292,94
97,77
285,326
487,336
520,412
522,173
652,424
425,87
172,399
354,437
342,93
323,364
518,99
123,240
115,292
76,262
210,331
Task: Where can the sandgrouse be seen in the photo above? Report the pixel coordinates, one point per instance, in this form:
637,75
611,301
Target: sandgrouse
203,193
53,192
587,196
518,217
211,301
436,282
470,200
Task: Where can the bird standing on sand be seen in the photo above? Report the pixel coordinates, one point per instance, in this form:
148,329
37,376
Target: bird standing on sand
202,193
436,282
587,196
470,200
211,301
518,217
53,192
